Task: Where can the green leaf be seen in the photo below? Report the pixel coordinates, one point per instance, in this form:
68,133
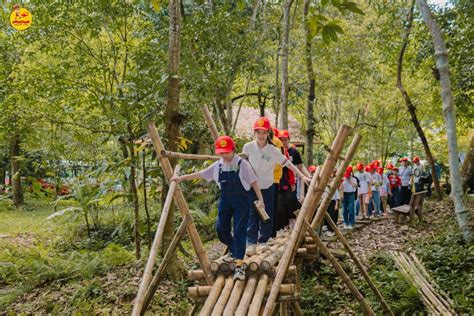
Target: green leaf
352,6
324,3
156,5
312,26
334,27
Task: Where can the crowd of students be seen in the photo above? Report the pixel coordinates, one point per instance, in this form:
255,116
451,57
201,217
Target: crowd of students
271,175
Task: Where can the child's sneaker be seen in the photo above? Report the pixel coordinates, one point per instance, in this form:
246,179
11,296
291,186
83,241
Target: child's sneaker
251,250
239,273
292,223
330,234
263,247
228,257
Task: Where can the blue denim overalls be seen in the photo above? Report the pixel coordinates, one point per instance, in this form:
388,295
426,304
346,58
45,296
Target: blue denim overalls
234,202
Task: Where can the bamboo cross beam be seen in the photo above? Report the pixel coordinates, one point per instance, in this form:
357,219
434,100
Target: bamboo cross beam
210,121
336,181
182,205
164,264
147,274
359,265
307,210
173,154
347,280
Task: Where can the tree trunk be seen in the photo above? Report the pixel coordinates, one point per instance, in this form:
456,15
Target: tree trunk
311,89
283,120
172,119
467,170
441,56
145,201
132,185
16,175
411,108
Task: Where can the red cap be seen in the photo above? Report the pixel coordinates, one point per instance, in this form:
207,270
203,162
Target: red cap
312,168
368,167
376,163
224,144
380,170
348,172
389,166
360,166
416,159
284,134
404,159
276,132
395,169
372,167
262,123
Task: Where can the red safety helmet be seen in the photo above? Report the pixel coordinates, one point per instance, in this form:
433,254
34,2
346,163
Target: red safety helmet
276,132
284,134
262,123
380,170
360,166
416,159
395,169
389,166
312,168
224,144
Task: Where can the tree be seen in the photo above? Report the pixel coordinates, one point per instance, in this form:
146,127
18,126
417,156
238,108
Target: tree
411,108
442,64
283,119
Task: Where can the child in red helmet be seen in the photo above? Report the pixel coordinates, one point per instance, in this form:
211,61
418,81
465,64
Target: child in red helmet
363,189
349,187
383,190
395,185
235,177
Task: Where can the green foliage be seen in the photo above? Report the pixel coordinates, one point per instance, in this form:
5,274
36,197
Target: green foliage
450,261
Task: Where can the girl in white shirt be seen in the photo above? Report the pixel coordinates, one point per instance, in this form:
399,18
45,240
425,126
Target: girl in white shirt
263,156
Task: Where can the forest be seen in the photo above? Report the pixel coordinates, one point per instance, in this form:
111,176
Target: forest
106,106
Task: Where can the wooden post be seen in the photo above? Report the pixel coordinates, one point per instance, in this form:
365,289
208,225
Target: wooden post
164,263
210,121
295,306
182,205
347,280
359,265
283,309
147,274
247,296
307,210
322,209
213,296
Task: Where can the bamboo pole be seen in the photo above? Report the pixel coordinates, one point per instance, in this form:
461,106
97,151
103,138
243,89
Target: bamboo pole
307,211
196,275
147,274
247,296
322,209
225,294
164,264
210,121
295,306
347,280
199,291
213,296
271,260
283,309
234,298
359,265
259,294
182,205
173,154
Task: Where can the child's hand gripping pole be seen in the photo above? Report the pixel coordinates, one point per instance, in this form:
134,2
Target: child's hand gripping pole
261,211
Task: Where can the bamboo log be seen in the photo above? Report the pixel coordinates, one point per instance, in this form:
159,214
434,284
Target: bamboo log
347,280
234,298
307,210
287,289
225,294
163,265
259,294
359,265
301,252
210,121
283,309
182,205
199,291
322,209
247,296
270,261
213,296
196,275
147,274
295,306
173,154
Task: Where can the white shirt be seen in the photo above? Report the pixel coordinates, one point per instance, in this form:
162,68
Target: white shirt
385,184
363,182
263,161
349,185
376,180
405,175
246,174
420,167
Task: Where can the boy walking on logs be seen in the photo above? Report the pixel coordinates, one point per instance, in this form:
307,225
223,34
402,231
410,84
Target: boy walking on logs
234,176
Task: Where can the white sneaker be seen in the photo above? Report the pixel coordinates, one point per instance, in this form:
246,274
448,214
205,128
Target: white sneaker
350,227
325,228
344,226
292,223
239,273
251,250
330,234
